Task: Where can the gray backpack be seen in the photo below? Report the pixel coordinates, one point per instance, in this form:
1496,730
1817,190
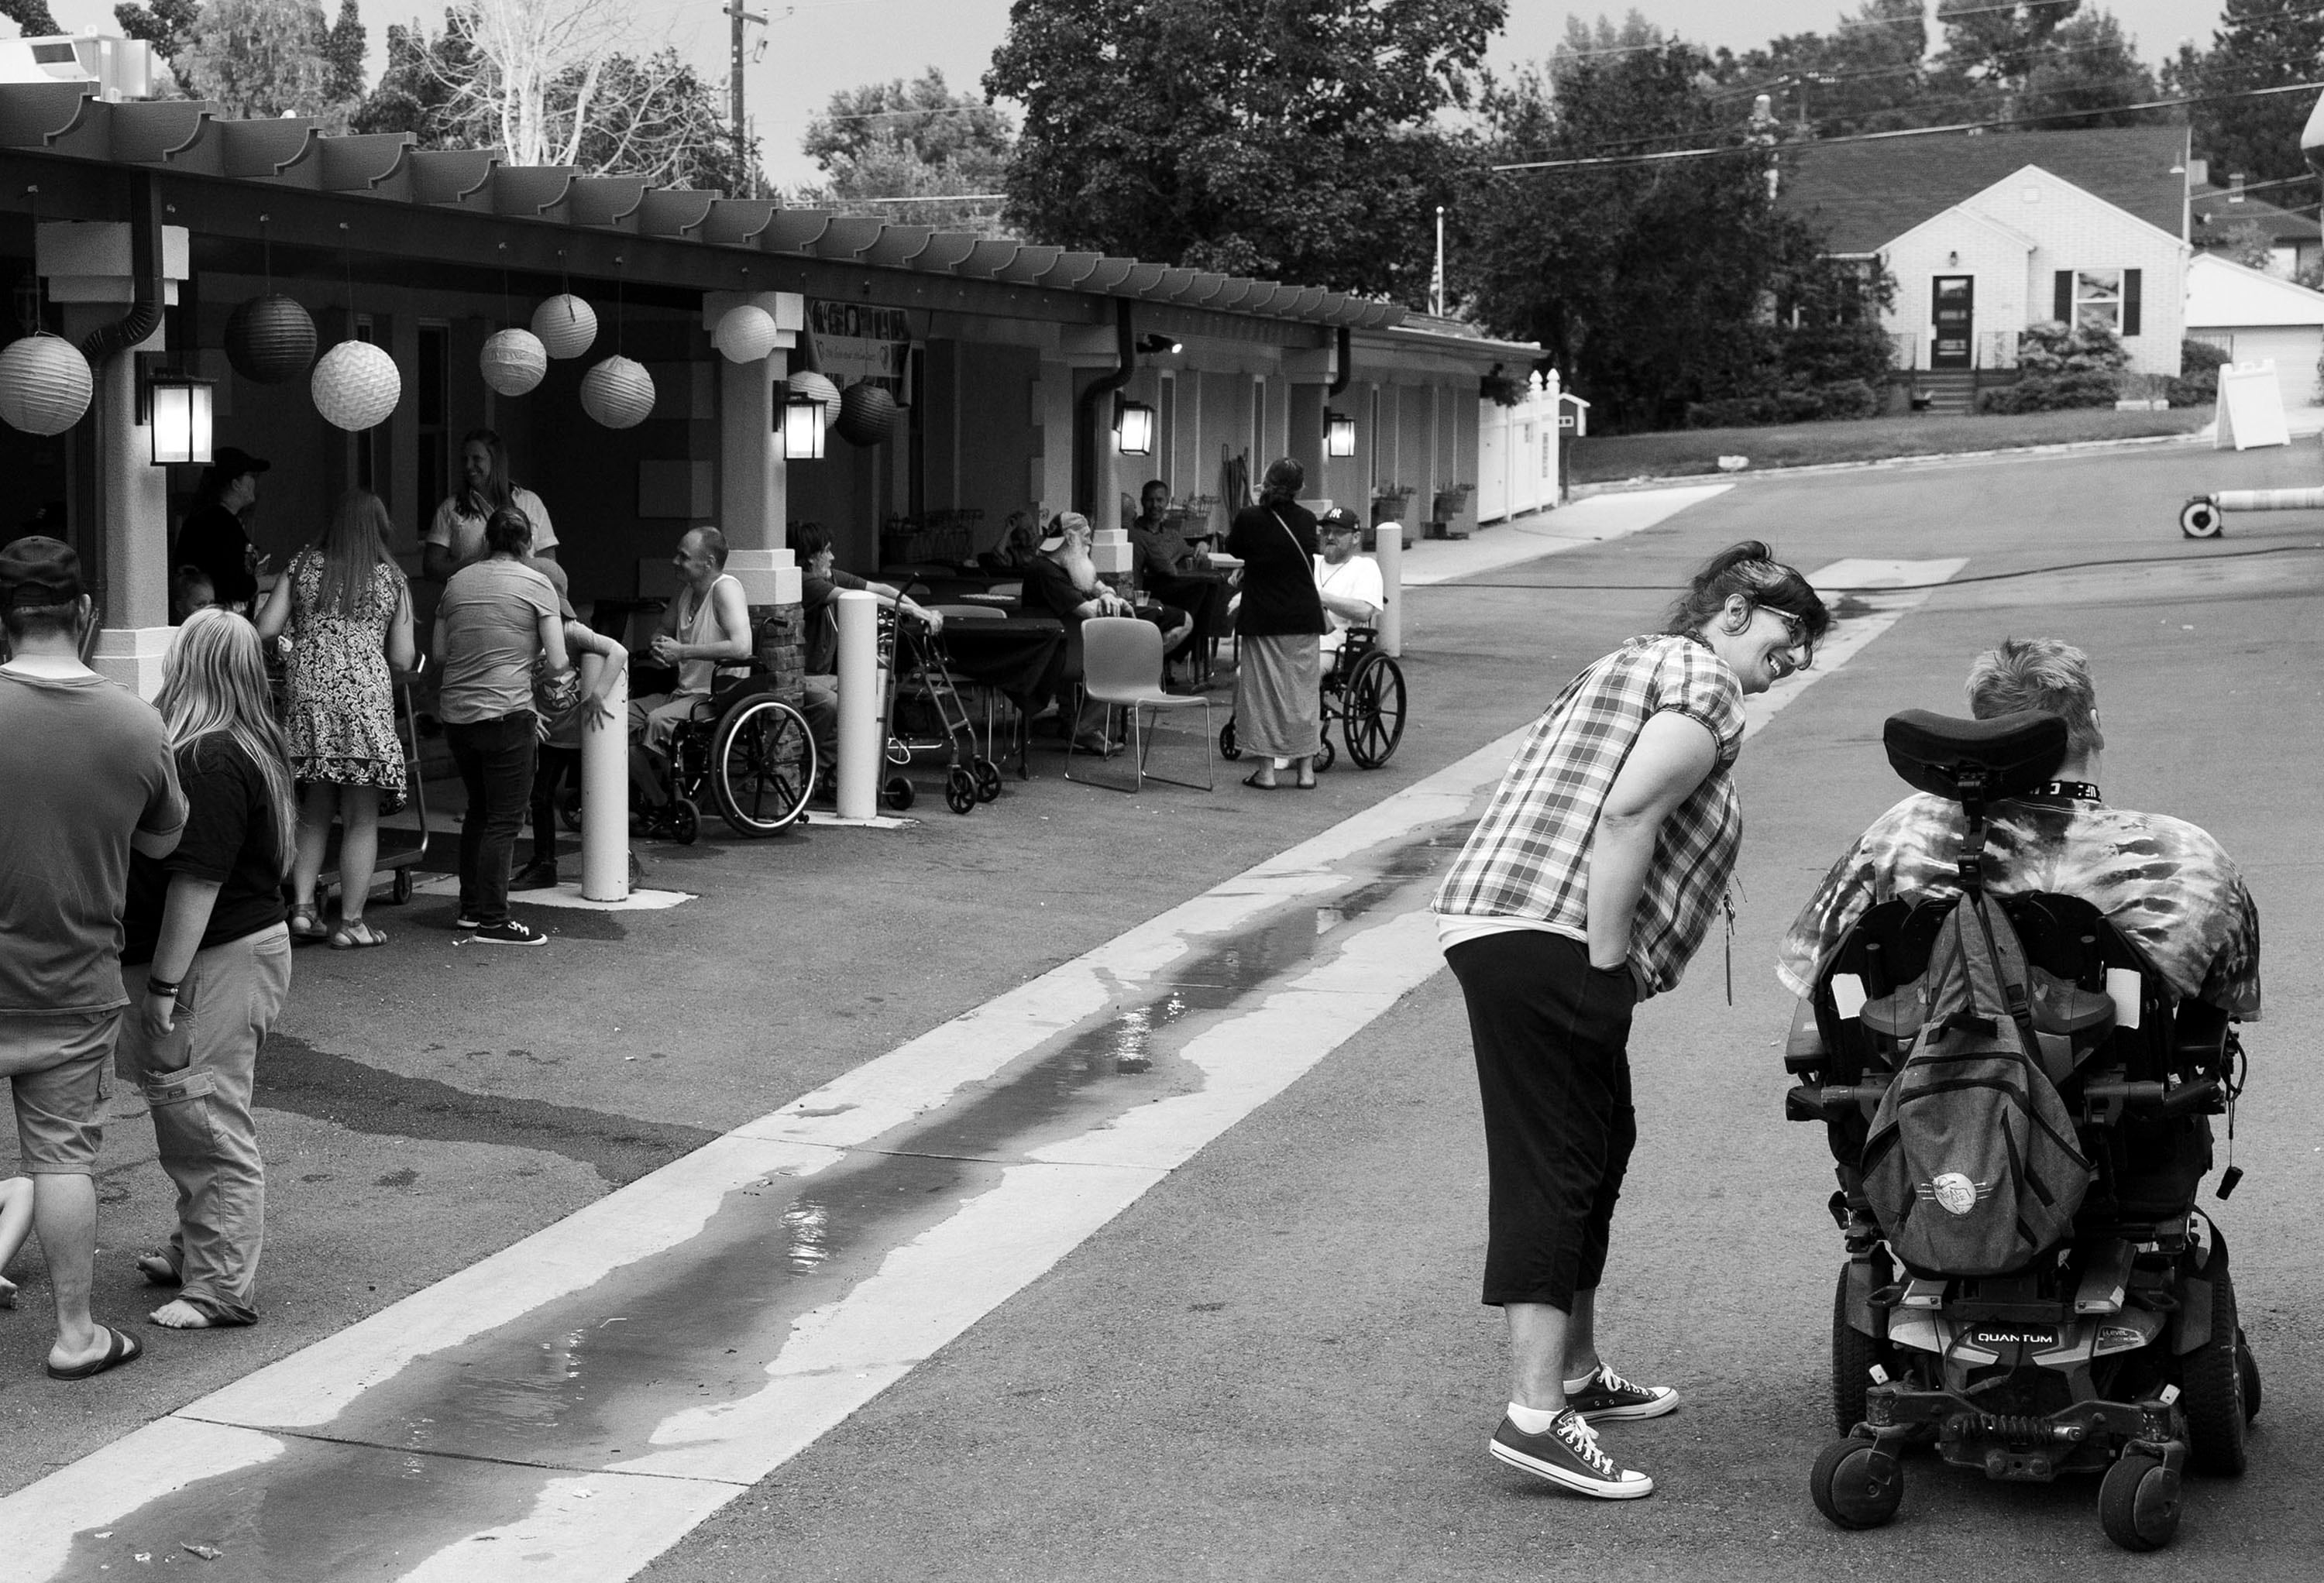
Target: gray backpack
1971,1166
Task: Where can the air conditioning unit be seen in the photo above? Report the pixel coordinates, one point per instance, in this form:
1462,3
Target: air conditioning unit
116,68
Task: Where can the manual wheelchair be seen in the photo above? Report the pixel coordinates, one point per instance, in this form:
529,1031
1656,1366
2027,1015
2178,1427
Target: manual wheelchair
743,749
1363,692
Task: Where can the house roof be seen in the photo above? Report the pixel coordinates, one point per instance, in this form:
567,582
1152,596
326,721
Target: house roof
1865,195
2222,295
2213,208
447,203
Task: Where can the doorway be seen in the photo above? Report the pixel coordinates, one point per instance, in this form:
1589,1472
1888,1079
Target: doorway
1952,316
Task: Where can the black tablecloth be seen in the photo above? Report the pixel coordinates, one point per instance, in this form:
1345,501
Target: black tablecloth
1022,655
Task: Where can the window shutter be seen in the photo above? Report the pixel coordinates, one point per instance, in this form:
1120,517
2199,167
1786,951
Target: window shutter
2063,297
2130,282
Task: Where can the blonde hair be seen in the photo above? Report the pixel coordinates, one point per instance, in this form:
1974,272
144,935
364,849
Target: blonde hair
351,548
214,681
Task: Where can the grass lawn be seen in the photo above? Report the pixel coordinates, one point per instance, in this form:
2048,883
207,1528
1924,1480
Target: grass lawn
1680,452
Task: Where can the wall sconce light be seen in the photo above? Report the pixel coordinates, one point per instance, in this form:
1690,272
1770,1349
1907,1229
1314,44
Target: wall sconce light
802,428
1952,260
1339,435
179,407
1133,428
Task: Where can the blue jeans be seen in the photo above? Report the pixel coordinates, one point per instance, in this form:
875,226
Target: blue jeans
495,761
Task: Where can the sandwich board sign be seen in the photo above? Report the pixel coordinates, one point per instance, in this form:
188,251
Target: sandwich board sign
2251,407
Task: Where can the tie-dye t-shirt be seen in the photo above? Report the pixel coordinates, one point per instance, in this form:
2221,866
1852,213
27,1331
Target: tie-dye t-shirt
2163,882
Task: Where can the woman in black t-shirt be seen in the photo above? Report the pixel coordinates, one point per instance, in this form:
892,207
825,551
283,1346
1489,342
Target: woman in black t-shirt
1278,683
207,963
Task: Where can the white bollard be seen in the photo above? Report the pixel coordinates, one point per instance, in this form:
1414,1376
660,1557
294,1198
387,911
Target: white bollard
1388,541
860,757
605,789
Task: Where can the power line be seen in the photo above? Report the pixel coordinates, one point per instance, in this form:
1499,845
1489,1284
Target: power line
1677,154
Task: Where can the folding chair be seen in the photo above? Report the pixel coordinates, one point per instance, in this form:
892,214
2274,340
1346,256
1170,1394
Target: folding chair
1121,666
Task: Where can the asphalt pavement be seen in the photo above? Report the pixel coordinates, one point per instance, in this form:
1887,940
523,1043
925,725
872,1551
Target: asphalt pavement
1269,1361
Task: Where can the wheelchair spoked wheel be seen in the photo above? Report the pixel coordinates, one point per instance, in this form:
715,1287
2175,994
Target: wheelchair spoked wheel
987,780
1372,717
960,789
898,792
1229,748
763,766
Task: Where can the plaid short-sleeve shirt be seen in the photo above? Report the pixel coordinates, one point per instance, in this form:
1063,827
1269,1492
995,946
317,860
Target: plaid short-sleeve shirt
1530,856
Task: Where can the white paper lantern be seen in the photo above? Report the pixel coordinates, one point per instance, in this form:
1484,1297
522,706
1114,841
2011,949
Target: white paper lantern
566,325
514,362
356,385
44,384
746,334
617,393
816,387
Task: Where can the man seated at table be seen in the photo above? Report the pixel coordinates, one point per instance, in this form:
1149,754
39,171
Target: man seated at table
704,631
1348,583
1177,573
821,583
1064,582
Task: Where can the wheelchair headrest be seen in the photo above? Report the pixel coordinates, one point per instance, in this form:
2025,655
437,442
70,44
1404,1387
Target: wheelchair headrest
1979,760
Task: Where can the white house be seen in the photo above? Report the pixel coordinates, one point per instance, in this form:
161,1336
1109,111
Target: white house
1987,234
2252,316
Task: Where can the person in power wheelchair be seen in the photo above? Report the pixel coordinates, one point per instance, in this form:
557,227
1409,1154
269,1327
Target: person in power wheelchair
2113,948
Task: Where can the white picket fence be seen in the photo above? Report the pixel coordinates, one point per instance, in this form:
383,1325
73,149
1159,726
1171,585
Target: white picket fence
1516,453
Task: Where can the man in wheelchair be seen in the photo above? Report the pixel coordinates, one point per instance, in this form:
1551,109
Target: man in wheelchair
1348,583
706,633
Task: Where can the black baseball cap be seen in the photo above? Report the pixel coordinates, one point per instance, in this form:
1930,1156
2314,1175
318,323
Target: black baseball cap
37,570
228,462
1338,520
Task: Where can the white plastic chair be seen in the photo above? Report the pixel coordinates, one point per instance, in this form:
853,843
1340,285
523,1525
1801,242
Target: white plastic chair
1122,665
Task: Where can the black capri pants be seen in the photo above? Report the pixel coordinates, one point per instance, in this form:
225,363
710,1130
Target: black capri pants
1552,1036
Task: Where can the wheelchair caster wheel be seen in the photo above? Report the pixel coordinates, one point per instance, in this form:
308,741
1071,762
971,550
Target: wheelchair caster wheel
2199,519
400,888
1227,748
898,793
2138,1503
960,790
1855,1484
1325,755
685,821
988,780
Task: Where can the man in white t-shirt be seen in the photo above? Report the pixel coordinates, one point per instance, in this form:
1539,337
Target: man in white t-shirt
455,537
1348,583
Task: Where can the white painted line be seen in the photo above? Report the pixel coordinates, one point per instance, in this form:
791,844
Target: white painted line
567,895
1596,520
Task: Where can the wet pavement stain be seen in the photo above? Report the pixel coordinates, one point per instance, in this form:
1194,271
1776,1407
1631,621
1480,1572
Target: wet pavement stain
295,1076
467,1439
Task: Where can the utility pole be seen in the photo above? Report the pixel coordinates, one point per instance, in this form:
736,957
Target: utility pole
743,161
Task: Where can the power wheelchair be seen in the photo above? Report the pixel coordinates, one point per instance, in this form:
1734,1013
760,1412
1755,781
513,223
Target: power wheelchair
2116,1349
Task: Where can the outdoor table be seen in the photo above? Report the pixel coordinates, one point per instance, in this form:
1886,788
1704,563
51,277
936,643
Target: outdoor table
1023,657
1000,601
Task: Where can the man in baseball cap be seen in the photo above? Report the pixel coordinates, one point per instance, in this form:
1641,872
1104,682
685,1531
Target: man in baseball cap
1349,585
85,774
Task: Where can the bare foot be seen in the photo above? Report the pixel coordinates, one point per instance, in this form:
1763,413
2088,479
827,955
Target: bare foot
180,1315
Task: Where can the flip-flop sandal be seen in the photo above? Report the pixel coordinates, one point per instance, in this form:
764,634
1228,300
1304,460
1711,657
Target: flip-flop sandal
1253,781
356,936
120,1347
159,1271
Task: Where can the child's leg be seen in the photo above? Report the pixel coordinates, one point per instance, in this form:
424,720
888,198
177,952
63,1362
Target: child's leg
15,1224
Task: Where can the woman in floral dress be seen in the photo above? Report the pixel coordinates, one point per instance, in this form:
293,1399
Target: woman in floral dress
347,608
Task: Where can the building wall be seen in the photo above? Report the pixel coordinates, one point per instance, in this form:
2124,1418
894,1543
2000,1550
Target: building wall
1959,245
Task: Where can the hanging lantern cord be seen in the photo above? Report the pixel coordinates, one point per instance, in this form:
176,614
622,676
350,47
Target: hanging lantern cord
39,318
508,301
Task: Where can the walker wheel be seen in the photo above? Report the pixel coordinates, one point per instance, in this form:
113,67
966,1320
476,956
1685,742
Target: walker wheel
960,790
1227,748
685,821
898,793
988,780
2199,519
400,888
1855,1487
2138,1503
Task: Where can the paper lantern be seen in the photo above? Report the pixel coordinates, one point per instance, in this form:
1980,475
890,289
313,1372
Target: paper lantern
867,414
566,325
44,384
746,334
818,389
617,393
269,339
514,362
356,385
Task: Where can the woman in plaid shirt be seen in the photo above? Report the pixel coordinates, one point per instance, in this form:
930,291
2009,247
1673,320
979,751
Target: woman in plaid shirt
1589,882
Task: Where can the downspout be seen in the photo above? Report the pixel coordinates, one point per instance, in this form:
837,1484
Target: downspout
144,315
1340,377
1086,427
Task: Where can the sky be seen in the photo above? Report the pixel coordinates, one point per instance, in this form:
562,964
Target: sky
815,48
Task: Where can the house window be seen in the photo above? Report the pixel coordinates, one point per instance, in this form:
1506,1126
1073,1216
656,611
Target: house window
2097,299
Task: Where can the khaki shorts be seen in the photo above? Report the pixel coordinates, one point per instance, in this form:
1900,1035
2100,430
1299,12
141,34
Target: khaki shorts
55,1067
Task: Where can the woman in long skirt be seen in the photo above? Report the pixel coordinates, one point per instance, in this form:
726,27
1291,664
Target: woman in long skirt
1279,680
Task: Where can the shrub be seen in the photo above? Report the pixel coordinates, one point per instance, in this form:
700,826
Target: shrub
1841,399
2052,348
2200,362
2051,393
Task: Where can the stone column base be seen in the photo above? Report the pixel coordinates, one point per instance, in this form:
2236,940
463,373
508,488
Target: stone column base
132,657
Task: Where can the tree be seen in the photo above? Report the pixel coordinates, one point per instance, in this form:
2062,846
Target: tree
166,24
2090,66
2260,43
32,16
2247,242
1866,75
259,57
896,140
1289,139
343,52
1999,46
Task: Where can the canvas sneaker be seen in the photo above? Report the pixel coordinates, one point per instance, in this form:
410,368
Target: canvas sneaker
1609,1395
1566,1454
510,933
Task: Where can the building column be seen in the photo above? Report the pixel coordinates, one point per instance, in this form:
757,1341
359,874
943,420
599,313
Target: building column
752,497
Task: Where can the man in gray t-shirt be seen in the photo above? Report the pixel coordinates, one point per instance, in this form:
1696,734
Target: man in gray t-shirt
86,774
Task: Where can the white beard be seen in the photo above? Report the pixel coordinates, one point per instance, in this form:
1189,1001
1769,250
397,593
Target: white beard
1083,569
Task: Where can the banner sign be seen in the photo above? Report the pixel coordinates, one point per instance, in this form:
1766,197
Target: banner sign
858,343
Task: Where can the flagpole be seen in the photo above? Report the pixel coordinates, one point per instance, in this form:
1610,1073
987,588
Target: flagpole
1436,281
